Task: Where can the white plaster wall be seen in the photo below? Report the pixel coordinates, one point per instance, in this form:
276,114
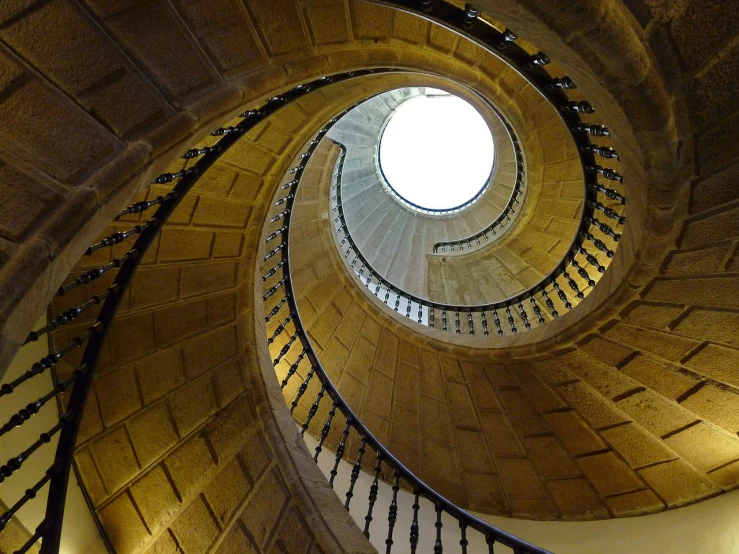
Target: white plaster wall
709,527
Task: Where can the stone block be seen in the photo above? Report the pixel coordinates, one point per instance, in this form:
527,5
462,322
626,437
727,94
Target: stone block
715,190
90,476
227,245
204,279
519,478
180,321
500,435
634,503
123,525
329,24
656,414
23,202
439,463
704,447
408,353
526,421
432,383
719,326
266,507
482,393
483,493
132,336
576,499
697,262
719,405
228,489
667,380
677,483
656,316
152,433
550,459
118,395
409,27
717,362
719,226
294,533
193,404
195,528
472,449
256,456
165,544
350,389
180,245
450,368
206,351
609,474
664,345
533,508
636,446
719,292
718,23
237,542
325,326
228,382
154,286
379,394
349,328
334,359
228,430
216,212
606,351
360,359
155,498
406,427
596,410
462,410
190,465
114,457
160,373
576,436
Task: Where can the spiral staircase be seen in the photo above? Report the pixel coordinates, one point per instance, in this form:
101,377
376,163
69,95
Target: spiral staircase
230,292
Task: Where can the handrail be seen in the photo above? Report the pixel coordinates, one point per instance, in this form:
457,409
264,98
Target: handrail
50,529
382,455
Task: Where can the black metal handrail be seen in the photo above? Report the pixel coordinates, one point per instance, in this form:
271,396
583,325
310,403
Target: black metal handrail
292,329
57,476
467,23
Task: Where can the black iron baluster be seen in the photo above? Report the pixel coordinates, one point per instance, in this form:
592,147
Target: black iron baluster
592,260
29,494
15,463
456,322
280,329
302,389
420,312
438,547
408,308
610,193
524,315
276,309
490,542
292,370
463,542
355,472
414,523
605,229
392,515
340,451
602,151
443,319
609,213
373,493
313,410
562,295
600,245
118,237
496,319
573,285
325,430
274,251
48,361
606,172
431,317
279,216
536,309
485,324
274,289
592,129
144,205
98,272
470,322
286,348
583,273
273,270
387,296
581,107
550,304
397,301
511,321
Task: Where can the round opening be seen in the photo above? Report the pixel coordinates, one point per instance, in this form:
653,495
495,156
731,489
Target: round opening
437,151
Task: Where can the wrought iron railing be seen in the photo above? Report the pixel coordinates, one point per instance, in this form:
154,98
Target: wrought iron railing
547,298
290,336
77,386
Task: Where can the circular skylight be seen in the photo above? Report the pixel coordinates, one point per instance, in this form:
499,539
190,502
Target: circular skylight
436,151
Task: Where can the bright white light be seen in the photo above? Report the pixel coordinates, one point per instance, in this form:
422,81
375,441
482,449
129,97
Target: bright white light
437,152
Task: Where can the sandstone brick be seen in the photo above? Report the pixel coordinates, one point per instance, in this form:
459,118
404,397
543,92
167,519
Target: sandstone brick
408,353
203,279
522,414
597,411
697,262
165,544
228,382
726,476
715,325
461,408
715,190
90,476
227,491
602,378
719,292
432,382
23,202
349,328
325,326
236,542
716,362
216,212
371,330
576,499
634,503
160,373
379,394
118,395
181,321
664,345
180,245
406,427
193,404
550,459
155,498
654,413
500,435
533,508
195,528
152,433
667,380
350,389
677,483
371,20
360,359
577,437
132,336
265,508
606,351
483,492
519,478
704,447
717,404
386,354
636,446
256,456
228,430
294,533
154,286
115,458
479,386
608,474
227,245
334,359
656,316
406,386
717,227
190,465
450,368
472,451
439,462
124,526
